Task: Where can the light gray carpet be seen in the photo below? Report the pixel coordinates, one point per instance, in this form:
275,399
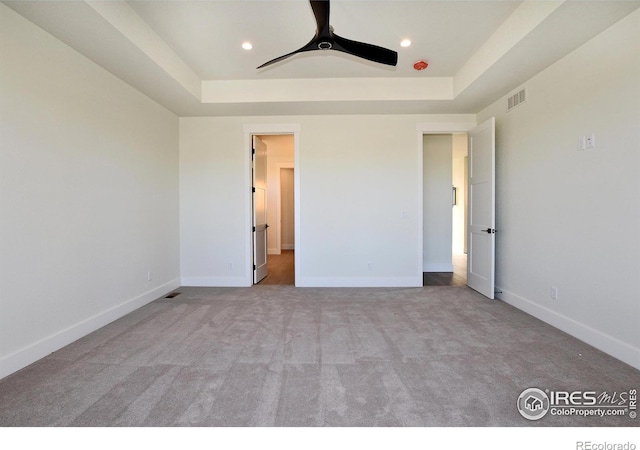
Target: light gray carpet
285,356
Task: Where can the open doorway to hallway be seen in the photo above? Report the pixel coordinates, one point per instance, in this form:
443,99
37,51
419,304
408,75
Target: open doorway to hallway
281,269
445,209
456,278
280,209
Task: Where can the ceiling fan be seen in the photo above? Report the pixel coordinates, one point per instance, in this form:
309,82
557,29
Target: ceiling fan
326,39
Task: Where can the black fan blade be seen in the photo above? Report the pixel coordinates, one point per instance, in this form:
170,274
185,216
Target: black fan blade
310,46
366,51
321,12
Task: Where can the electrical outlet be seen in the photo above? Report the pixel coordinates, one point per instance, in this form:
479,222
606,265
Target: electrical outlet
555,292
230,266
589,141
369,265
149,275
586,142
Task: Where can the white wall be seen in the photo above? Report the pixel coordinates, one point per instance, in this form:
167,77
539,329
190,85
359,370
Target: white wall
437,203
459,175
214,189
357,174
569,218
287,221
89,205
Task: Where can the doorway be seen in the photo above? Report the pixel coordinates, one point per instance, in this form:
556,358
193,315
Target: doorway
280,214
445,209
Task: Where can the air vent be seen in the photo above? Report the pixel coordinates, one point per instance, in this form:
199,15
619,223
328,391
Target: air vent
516,99
173,294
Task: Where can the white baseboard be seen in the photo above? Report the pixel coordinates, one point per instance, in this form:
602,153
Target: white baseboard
612,346
217,281
288,247
359,281
38,350
428,267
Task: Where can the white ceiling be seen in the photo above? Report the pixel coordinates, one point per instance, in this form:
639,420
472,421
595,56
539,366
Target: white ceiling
187,54
208,35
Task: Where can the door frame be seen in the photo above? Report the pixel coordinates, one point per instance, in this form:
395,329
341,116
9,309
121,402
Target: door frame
431,128
250,130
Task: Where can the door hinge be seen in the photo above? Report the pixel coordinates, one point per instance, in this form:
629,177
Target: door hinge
254,267
253,189
253,152
254,229
490,230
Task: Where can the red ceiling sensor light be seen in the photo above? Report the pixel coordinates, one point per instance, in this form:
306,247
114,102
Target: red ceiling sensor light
420,65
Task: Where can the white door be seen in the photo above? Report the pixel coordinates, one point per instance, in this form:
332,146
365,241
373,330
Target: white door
482,184
259,210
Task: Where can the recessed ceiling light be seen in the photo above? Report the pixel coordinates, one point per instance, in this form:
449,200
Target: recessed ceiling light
247,45
405,43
